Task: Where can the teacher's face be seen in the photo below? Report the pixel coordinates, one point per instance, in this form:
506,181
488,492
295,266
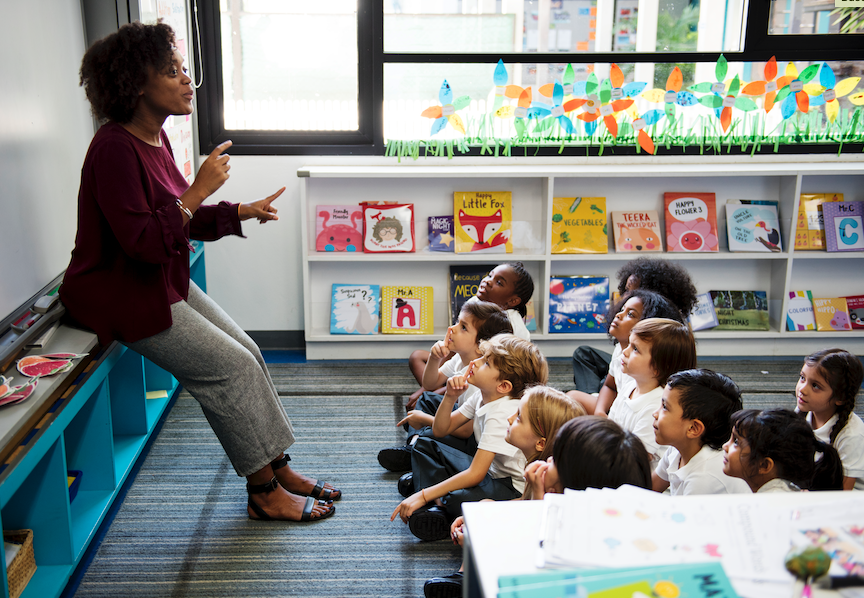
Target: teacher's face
167,92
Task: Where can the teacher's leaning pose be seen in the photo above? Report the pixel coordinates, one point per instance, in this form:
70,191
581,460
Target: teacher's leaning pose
129,275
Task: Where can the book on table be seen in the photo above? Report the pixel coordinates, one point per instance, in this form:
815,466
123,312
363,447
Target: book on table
354,309
637,232
578,304
691,222
482,221
406,310
741,310
579,225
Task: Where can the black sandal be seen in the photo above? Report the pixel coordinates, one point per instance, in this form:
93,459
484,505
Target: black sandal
318,491
261,514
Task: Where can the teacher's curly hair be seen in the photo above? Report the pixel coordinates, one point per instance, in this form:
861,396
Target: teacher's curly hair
115,68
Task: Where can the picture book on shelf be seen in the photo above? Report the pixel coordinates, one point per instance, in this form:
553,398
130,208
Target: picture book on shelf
855,307
691,222
703,315
831,314
579,225
578,303
693,580
530,317
844,227
753,228
482,221
637,232
799,311
810,229
462,284
441,233
741,310
406,310
339,228
354,309
388,228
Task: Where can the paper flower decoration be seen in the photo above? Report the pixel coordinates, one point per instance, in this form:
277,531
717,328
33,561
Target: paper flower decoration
446,112
557,111
694,235
519,112
607,108
567,84
793,93
768,87
619,90
640,123
672,95
833,90
725,104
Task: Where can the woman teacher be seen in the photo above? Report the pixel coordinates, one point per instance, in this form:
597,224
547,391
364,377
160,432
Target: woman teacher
129,275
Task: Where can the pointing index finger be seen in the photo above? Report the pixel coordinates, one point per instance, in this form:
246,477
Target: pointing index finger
221,148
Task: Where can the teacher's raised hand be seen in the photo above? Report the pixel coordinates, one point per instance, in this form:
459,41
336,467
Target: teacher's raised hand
261,209
213,172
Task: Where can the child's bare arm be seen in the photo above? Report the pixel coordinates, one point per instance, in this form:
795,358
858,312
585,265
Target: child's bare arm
606,396
432,378
446,420
464,479
658,484
466,430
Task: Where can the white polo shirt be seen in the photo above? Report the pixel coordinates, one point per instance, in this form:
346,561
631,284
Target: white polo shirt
703,474
454,366
490,430
849,444
636,415
518,324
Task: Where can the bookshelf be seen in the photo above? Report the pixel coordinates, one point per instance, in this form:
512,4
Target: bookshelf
628,184
98,425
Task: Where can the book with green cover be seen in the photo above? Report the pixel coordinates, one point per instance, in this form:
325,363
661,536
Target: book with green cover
741,310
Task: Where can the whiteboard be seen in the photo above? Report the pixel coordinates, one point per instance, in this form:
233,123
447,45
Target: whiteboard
45,129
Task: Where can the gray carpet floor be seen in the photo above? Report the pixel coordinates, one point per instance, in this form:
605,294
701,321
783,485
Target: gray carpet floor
183,529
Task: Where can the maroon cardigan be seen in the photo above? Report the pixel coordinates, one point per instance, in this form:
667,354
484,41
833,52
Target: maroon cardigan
131,255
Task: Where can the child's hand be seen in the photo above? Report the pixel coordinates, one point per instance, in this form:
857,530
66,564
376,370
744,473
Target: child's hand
456,385
535,476
407,507
457,530
440,350
416,419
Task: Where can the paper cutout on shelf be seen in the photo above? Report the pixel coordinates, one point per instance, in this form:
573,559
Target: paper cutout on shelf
38,366
5,386
799,311
499,79
17,394
446,112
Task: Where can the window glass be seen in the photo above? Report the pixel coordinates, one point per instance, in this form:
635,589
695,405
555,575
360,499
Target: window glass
290,64
813,17
490,26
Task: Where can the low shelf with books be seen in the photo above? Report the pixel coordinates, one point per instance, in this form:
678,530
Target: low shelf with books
624,184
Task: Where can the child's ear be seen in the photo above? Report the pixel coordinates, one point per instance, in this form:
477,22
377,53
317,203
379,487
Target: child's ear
696,429
512,302
767,466
540,445
504,387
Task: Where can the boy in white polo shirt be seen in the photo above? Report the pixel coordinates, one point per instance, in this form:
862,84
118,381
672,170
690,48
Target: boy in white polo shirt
445,477
694,420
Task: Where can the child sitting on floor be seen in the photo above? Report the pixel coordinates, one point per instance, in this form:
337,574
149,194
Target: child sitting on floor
827,386
658,348
693,419
509,286
636,305
775,451
664,277
445,477
478,321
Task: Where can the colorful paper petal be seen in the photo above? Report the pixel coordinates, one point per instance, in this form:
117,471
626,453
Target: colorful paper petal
782,94
616,76
791,70
721,68
445,94
857,98
591,127
654,95
832,109
525,98
520,127
674,80
456,123
432,112
591,84
726,118
826,76
438,125
569,75
803,101
611,125
505,111
813,89
500,75
538,112
579,89
745,104
771,69
711,101
704,87
546,90
513,91
634,89
670,111
808,73
788,107
846,86
734,86
685,98
756,88
652,117
566,124
619,105
557,94
571,105
817,101
769,100
605,91
645,142
461,102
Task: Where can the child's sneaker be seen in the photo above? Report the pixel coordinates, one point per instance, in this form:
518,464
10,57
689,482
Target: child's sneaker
430,523
395,458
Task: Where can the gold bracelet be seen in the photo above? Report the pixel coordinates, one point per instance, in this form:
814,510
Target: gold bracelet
184,209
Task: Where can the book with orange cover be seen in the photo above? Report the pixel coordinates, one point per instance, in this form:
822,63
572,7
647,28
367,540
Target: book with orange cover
482,221
831,315
810,229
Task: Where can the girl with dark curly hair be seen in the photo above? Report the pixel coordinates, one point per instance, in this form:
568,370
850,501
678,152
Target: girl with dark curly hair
128,279
827,386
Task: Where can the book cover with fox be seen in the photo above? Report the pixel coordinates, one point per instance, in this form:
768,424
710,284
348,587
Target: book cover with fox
637,232
482,221
579,225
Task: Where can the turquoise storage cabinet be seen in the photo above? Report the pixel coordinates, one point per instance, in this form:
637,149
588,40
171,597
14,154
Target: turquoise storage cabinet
99,426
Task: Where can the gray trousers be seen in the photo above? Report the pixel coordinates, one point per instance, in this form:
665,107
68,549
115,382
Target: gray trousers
222,368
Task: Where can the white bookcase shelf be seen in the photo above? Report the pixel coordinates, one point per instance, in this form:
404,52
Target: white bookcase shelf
627,183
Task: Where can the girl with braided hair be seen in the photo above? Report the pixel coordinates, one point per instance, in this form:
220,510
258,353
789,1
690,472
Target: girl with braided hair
826,389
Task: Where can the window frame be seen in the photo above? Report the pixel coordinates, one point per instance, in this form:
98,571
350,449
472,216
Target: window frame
759,46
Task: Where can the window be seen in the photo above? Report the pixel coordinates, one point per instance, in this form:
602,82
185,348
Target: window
355,76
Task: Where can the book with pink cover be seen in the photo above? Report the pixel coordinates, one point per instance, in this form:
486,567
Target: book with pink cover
855,307
339,228
691,222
